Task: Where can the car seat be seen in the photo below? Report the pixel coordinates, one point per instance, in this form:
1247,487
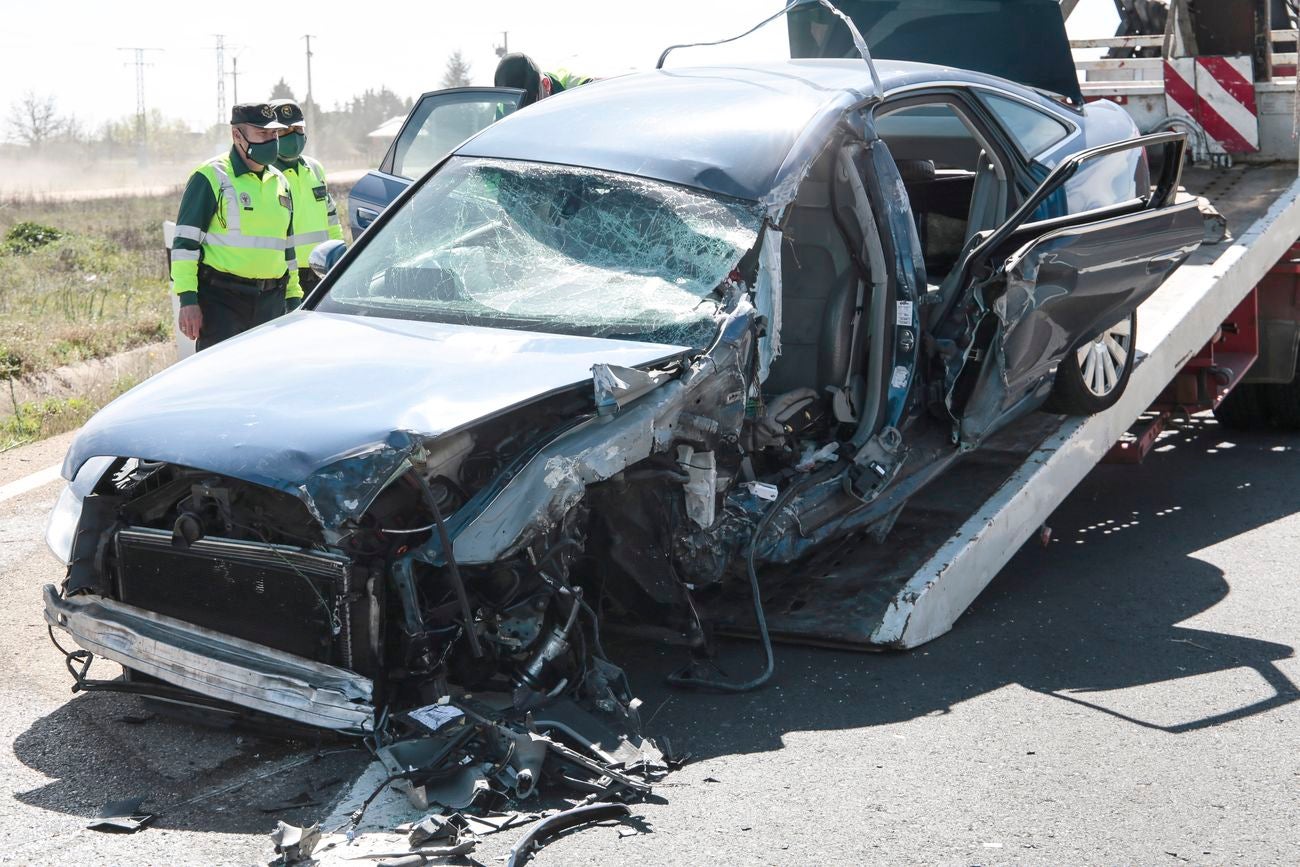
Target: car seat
818,292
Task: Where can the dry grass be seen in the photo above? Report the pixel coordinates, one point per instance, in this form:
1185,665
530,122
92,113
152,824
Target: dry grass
95,286
98,288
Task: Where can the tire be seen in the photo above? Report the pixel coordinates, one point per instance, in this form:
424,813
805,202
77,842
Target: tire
1092,377
1245,408
1262,406
1283,400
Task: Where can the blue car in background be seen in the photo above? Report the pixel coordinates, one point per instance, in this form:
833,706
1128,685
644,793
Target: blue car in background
440,121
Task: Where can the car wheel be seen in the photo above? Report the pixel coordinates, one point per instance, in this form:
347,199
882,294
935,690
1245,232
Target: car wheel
1091,378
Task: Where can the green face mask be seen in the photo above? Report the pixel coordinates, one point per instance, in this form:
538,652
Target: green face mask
263,152
291,145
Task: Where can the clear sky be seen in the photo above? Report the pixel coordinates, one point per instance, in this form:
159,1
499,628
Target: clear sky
71,48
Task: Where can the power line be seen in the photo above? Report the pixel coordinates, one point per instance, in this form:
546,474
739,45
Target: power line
141,122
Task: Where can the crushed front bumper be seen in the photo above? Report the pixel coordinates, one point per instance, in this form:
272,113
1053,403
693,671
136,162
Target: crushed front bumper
215,665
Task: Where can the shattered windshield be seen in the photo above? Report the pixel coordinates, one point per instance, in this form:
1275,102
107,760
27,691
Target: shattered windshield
552,248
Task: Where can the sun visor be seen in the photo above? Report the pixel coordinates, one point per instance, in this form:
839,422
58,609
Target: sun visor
1021,40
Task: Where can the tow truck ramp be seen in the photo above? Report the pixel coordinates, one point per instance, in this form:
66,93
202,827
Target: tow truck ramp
953,538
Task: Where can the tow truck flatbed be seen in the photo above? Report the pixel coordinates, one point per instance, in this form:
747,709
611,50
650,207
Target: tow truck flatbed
953,538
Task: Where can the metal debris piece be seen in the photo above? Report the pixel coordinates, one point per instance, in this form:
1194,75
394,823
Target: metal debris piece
455,792
544,830
410,762
122,817
420,856
294,845
1215,224
526,759
491,823
434,827
616,386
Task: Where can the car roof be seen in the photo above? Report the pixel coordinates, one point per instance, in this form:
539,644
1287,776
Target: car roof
738,131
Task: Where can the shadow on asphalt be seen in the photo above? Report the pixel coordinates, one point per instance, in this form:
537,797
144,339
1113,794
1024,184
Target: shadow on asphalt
1096,610
103,747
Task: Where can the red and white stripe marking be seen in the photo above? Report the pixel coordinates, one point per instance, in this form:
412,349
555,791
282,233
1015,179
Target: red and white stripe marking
1219,94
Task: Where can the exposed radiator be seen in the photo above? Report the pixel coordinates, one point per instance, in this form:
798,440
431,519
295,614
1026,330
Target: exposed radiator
276,595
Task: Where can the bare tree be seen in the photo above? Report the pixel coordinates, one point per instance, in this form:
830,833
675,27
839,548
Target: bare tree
458,71
34,120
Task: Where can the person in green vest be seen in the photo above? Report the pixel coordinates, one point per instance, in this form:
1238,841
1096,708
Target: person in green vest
315,216
521,71
233,262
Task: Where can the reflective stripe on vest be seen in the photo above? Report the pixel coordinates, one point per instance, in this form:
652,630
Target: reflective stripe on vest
248,236
225,239
304,238
228,193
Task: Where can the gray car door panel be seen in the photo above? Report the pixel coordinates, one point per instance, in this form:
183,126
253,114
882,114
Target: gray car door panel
1030,292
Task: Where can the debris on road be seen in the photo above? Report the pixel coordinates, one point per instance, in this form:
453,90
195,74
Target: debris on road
537,835
464,768
122,817
294,845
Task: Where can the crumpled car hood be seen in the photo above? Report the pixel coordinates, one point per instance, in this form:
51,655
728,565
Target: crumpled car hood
326,406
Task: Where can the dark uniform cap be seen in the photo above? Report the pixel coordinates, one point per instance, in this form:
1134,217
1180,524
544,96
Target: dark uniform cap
256,114
287,112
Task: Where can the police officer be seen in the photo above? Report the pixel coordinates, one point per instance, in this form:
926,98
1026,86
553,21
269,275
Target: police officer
315,217
521,71
233,260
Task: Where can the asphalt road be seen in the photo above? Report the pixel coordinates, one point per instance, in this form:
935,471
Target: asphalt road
1126,694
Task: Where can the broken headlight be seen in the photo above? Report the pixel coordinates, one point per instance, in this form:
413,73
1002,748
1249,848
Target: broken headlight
61,530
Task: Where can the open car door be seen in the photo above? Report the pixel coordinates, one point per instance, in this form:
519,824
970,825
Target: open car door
438,122
1029,292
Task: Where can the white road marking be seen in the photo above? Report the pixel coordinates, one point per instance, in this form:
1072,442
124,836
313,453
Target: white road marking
36,480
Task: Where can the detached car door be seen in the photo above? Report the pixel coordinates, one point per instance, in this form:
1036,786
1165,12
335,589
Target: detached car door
1031,291
438,122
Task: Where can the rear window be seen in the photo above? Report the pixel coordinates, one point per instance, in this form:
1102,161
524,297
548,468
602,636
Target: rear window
1033,130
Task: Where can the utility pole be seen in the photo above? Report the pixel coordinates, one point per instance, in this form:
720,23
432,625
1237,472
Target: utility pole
222,117
141,116
504,48
234,79
309,104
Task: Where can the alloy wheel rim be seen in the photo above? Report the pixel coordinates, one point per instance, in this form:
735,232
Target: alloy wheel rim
1102,361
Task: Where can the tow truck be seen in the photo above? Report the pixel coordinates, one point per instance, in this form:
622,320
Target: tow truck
1220,335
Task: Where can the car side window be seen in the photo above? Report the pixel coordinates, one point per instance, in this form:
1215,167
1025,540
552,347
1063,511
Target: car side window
438,125
1032,130
956,182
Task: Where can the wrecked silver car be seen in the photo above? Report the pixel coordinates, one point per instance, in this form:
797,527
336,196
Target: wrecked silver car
608,360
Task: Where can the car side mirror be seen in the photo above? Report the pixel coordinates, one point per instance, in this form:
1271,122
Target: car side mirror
326,254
